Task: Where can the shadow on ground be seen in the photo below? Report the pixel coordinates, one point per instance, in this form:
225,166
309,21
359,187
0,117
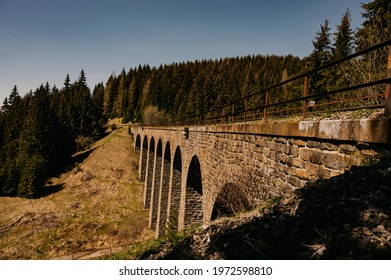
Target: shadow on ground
346,217
74,161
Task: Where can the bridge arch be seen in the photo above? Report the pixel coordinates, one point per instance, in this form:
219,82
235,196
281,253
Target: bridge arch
194,197
156,185
230,200
164,190
176,189
149,172
138,143
143,159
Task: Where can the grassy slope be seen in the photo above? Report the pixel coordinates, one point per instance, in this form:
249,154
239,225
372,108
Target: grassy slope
97,206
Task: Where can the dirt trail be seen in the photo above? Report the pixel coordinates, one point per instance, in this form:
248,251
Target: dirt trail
94,207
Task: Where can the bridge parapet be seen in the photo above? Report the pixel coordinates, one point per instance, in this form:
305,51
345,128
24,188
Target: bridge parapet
359,130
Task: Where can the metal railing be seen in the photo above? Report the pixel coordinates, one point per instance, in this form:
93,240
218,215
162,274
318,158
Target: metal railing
267,105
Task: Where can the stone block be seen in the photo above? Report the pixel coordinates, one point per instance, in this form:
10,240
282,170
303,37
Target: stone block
324,172
311,168
303,174
266,152
293,181
292,170
298,162
348,149
295,151
328,146
313,144
334,160
316,157
300,143
281,140
305,154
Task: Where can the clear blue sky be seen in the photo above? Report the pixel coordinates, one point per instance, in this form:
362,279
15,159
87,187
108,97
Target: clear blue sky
43,40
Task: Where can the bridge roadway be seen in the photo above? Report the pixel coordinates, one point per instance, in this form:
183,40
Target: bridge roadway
194,174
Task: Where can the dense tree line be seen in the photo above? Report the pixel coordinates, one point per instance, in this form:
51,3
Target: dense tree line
39,131
185,89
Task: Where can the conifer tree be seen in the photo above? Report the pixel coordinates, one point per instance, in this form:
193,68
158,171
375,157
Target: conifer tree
110,96
121,98
342,47
320,56
33,177
99,119
322,46
5,106
14,96
376,27
343,43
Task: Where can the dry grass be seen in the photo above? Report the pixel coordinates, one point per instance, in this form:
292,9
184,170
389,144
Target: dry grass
99,206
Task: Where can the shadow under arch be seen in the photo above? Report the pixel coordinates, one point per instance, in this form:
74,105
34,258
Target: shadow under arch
175,191
230,200
165,186
194,198
138,143
156,185
144,158
149,171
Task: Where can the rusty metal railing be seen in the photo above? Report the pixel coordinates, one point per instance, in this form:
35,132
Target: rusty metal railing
266,107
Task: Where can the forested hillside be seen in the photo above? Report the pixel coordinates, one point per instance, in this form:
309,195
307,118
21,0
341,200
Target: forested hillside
39,133
190,88
41,130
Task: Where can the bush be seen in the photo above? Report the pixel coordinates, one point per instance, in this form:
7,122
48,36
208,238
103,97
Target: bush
152,116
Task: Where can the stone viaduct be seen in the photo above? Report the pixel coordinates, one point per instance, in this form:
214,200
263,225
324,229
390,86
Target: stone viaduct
194,174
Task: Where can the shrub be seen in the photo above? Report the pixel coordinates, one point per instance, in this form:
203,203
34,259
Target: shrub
152,116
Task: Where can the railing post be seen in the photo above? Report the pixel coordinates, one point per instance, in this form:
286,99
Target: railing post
245,109
306,87
265,108
387,109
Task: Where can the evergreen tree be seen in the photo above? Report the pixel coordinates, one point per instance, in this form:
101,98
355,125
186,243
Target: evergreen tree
110,96
342,47
376,27
120,102
5,106
33,177
67,82
320,56
82,79
11,176
322,46
99,119
14,96
343,43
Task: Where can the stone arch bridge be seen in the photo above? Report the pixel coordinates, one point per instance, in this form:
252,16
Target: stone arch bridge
194,174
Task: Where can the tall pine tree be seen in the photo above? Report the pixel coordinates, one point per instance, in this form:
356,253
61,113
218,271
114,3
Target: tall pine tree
320,56
344,38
